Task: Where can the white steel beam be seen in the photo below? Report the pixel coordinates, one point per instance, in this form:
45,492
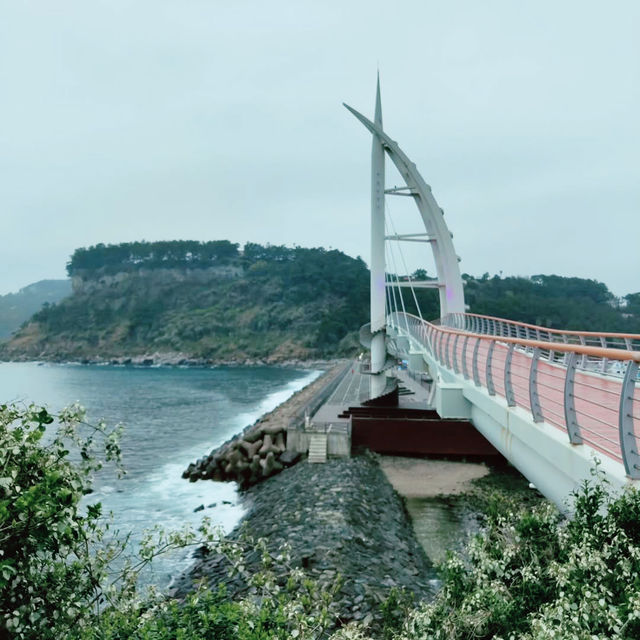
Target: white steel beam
452,294
377,296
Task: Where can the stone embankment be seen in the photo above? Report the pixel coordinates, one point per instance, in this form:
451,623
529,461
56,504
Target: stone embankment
180,359
342,517
260,450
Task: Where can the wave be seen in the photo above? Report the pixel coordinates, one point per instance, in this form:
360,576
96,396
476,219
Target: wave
164,497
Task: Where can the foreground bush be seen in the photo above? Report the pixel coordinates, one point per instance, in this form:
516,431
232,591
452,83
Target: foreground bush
57,576
532,575
49,582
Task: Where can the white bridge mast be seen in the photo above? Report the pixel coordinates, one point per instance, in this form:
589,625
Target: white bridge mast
378,285
438,236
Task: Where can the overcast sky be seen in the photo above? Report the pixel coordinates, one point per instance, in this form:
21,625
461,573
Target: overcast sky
123,120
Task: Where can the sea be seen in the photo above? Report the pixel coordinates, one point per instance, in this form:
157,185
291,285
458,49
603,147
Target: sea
172,416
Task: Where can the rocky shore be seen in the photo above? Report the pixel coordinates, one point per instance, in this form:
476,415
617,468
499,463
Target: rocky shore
259,451
342,517
171,359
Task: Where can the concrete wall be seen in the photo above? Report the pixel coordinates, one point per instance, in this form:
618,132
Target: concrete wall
338,442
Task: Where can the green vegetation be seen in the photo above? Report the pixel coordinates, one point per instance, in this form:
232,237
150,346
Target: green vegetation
554,301
16,308
56,566
269,302
533,576
530,574
213,302
133,256
546,300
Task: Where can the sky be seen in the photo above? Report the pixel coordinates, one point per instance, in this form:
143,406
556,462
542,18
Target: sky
124,120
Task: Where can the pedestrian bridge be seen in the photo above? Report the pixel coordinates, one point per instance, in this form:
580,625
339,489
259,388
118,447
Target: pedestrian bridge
552,402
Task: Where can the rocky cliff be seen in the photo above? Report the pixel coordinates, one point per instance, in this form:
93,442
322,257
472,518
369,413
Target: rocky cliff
255,306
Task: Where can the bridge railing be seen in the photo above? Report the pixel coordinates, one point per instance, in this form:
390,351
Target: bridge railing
489,325
587,390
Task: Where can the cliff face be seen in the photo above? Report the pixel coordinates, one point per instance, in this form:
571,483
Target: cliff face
307,305
157,277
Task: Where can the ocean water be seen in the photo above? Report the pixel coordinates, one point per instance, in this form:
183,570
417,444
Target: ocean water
172,416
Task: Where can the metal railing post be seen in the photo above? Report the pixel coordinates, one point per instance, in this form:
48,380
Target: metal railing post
474,364
583,357
455,353
605,361
446,351
490,388
534,398
628,444
465,371
570,415
566,355
439,341
508,387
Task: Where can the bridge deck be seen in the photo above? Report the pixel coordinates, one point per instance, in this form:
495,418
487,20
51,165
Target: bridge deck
354,388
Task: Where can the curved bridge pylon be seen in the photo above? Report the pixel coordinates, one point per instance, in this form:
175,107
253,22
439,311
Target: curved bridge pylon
437,235
554,403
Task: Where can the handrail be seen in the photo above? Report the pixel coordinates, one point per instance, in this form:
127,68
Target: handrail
606,334
587,391
564,347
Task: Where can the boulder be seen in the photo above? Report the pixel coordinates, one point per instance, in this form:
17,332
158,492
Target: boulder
189,470
252,435
271,428
288,458
270,465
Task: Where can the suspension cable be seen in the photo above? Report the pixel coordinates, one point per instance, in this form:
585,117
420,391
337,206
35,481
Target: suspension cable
413,291
393,303
395,268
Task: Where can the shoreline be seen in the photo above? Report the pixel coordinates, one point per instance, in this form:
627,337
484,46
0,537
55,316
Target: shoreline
259,450
179,361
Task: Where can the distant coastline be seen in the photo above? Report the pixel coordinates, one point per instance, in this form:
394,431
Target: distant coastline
181,361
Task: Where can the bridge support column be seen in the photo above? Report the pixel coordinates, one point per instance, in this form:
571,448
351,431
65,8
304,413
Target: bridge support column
450,401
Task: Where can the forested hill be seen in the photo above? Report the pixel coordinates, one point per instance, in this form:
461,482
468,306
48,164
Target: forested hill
205,301
215,302
554,301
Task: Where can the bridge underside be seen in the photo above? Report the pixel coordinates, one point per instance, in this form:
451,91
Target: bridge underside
402,425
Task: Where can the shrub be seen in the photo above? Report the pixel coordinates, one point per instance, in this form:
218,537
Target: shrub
533,575
48,579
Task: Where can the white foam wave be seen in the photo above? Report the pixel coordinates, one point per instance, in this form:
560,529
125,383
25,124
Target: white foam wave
164,497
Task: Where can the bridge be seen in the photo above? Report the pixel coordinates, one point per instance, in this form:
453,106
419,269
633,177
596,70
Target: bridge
554,403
